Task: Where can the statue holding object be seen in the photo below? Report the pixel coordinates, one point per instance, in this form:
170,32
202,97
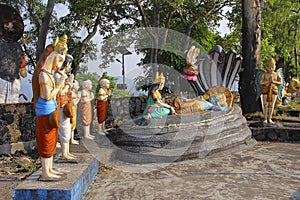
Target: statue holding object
45,90
66,110
269,87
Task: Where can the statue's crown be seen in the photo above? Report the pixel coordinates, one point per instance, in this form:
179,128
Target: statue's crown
271,62
159,78
60,44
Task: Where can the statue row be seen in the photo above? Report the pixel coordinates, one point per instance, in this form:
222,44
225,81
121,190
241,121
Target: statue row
55,98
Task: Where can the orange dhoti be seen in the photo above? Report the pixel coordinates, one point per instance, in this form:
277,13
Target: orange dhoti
102,108
86,113
46,137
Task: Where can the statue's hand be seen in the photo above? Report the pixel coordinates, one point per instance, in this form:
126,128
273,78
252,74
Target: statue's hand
70,80
60,80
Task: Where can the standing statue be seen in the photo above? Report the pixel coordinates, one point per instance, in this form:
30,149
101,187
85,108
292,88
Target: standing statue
102,104
45,90
86,108
269,86
75,101
155,106
12,57
66,110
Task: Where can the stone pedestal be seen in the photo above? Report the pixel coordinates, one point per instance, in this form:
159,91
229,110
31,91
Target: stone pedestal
79,177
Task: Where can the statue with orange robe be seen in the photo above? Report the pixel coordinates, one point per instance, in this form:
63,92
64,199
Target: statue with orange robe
102,104
85,106
45,89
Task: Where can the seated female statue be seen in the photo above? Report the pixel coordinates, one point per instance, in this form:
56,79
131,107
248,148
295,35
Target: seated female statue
155,106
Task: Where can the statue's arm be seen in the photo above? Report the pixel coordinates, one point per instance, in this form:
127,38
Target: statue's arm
278,81
263,80
48,89
159,102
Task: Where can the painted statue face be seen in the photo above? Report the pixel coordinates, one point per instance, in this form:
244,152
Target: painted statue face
90,86
271,68
60,61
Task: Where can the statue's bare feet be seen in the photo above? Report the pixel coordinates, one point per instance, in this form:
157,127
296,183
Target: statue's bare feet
90,137
56,172
74,142
270,121
265,121
147,116
72,156
50,177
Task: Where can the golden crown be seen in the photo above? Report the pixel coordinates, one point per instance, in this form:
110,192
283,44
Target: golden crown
159,78
271,62
60,44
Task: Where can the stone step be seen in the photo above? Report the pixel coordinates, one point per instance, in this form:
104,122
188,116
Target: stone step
277,132
79,177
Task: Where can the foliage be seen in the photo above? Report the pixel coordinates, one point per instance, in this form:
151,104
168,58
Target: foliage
117,93
280,31
195,19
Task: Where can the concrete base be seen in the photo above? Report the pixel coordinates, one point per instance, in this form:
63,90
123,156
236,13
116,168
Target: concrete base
79,178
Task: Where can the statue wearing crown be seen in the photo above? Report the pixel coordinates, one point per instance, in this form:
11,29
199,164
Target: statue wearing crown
269,87
155,106
45,90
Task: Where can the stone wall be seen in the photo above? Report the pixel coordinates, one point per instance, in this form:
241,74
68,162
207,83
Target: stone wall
17,120
17,123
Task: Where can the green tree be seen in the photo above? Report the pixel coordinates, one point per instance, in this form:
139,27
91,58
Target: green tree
94,77
196,19
280,32
83,21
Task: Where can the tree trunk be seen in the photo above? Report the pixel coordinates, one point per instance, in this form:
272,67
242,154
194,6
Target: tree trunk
44,29
251,50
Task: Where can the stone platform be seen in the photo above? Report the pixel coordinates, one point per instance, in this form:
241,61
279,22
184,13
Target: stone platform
177,138
281,131
79,178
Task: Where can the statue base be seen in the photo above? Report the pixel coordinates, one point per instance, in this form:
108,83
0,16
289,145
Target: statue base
79,177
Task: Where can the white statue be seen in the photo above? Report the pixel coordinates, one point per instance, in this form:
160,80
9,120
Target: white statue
66,112
86,108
